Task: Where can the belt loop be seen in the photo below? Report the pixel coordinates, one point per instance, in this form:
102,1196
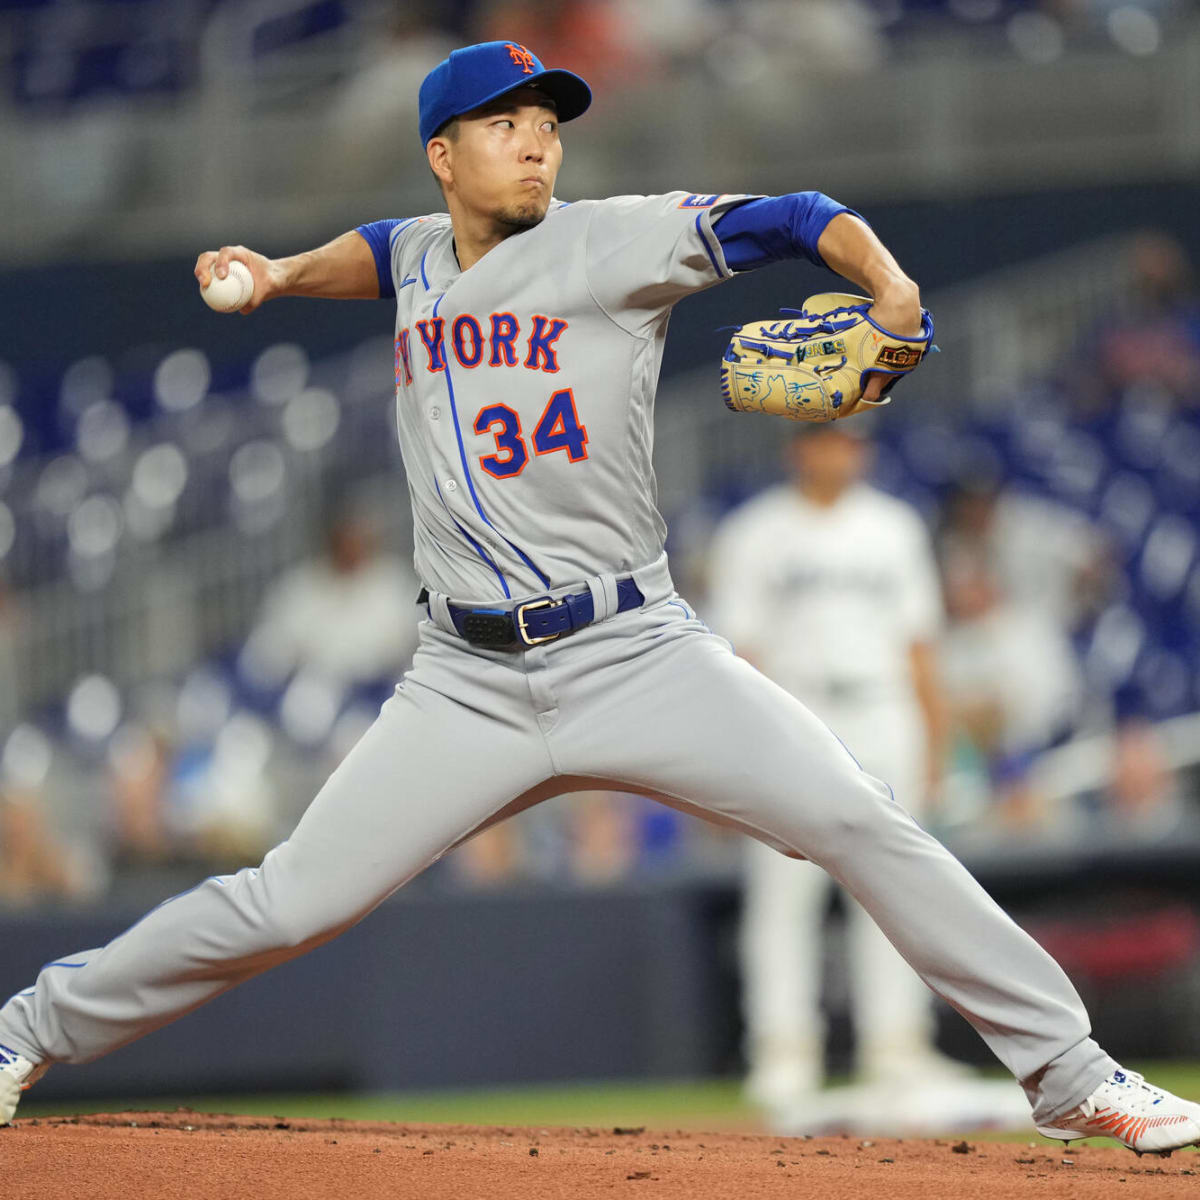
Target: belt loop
596,587
440,612
604,596
609,584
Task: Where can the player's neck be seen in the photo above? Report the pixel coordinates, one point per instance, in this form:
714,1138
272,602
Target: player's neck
469,251
475,235
823,495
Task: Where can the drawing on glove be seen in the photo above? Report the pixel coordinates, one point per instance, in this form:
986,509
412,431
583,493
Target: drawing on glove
798,398
803,398
750,386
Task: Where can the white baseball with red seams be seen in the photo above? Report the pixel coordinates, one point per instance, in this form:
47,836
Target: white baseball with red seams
232,292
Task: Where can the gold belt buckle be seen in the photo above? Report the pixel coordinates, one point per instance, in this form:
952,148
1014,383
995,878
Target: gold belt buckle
522,629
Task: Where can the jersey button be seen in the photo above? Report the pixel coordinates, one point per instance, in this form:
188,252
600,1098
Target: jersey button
434,413
452,485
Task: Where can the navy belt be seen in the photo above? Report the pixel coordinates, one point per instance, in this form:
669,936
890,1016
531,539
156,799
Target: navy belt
535,622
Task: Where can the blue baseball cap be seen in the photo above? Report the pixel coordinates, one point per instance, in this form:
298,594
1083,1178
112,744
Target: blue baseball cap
476,74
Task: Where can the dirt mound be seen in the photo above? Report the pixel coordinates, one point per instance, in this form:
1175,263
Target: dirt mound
197,1156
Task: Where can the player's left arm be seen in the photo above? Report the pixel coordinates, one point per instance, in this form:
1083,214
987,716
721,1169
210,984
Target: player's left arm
849,246
811,225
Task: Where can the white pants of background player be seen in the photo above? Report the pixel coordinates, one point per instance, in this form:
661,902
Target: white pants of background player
647,701
782,944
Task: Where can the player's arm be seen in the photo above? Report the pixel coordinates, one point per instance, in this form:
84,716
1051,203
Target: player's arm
931,700
736,590
813,226
849,246
344,269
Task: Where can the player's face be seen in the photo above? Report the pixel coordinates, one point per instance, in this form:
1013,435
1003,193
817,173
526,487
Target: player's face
505,158
829,459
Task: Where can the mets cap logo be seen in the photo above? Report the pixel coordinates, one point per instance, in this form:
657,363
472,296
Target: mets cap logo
522,57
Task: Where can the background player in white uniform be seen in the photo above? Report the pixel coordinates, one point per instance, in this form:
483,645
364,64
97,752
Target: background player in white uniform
557,656
859,565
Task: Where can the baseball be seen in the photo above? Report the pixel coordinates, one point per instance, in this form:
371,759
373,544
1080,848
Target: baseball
232,292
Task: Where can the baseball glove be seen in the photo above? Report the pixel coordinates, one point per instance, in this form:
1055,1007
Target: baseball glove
815,363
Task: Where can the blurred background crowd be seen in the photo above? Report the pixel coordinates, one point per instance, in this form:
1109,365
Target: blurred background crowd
205,579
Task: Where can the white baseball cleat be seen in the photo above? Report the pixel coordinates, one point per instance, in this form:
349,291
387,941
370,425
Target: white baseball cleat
1139,1115
16,1074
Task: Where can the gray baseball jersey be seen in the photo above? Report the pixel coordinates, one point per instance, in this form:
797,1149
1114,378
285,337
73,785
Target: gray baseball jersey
524,391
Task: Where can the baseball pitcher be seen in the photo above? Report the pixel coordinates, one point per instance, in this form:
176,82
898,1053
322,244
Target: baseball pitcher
555,654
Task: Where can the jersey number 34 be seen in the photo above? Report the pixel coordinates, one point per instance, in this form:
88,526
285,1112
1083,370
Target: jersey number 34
558,428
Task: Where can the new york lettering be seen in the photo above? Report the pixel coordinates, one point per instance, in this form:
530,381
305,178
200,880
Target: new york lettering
496,341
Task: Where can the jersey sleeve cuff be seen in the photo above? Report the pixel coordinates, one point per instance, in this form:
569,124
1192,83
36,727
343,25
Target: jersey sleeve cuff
769,229
706,228
377,235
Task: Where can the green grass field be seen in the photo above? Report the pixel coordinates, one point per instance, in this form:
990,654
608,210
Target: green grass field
715,1104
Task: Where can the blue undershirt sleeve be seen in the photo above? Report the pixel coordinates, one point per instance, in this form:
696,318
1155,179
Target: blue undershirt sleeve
378,236
773,228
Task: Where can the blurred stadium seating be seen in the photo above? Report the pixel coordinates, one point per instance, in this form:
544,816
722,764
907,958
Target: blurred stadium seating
136,123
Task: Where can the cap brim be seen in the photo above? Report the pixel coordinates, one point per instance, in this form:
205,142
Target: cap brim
570,94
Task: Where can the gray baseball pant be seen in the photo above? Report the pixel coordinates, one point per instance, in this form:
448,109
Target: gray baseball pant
647,701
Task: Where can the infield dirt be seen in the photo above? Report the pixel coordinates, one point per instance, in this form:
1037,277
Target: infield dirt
187,1155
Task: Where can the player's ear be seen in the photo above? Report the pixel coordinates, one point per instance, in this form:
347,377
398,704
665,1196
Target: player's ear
439,153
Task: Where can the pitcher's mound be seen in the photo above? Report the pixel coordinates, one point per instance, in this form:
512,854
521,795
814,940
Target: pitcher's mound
187,1155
